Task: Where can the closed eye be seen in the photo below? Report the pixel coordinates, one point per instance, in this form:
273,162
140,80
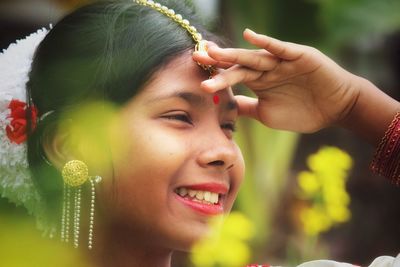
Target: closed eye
179,117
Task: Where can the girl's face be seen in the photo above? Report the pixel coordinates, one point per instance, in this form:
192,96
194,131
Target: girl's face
180,165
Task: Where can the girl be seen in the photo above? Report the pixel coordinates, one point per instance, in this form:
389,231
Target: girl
127,156
113,105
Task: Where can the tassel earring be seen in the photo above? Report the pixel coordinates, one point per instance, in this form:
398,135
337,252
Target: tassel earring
75,173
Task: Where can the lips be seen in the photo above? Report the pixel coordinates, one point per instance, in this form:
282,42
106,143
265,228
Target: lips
207,198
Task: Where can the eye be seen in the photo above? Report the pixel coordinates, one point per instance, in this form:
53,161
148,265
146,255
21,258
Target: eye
179,117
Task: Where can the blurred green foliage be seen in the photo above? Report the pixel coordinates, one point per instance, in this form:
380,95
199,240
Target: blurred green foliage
23,245
356,21
331,26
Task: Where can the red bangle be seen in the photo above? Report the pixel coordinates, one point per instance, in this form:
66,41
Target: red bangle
386,160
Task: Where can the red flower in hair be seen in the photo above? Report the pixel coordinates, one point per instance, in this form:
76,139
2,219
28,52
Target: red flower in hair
17,129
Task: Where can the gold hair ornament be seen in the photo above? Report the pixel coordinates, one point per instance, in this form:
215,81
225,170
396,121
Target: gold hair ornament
75,173
201,45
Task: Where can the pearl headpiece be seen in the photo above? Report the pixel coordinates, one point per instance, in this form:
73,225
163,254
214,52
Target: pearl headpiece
201,44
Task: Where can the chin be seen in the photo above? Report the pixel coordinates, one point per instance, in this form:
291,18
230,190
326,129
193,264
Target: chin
185,239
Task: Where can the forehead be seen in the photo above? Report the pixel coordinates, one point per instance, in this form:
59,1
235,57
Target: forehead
181,70
181,78
181,73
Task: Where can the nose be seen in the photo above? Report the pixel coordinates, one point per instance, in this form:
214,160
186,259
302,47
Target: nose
217,153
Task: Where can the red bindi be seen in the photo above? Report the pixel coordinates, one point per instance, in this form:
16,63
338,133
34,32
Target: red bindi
216,99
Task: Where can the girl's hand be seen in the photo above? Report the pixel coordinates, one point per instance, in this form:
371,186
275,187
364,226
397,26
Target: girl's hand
298,88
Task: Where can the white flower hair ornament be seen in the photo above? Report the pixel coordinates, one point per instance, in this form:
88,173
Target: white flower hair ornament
15,180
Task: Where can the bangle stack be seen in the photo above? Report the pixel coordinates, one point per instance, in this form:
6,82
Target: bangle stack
386,161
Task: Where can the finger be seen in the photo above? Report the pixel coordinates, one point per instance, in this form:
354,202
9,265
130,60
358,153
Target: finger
284,50
226,78
204,58
255,59
247,106
211,44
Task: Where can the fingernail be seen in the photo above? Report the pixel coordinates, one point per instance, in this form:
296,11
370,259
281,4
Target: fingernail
199,53
209,82
211,44
250,31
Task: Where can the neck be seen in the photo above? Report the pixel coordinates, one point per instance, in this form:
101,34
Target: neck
117,248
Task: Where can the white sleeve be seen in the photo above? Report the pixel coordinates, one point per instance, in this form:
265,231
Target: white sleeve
382,261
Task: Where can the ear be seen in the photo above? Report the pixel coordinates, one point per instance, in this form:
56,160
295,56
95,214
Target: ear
79,140
58,148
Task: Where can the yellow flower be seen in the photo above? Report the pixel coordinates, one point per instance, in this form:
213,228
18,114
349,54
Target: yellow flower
237,226
309,183
227,243
314,220
328,158
338,213
324,187
336,195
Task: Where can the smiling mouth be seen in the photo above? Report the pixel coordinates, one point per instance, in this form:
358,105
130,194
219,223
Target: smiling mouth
204,197
202,201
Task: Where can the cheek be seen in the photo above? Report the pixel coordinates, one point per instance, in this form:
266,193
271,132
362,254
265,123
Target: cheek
151,152
237,175
146,170
241,166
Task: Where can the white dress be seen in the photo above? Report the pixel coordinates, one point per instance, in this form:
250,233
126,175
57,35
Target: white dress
382,261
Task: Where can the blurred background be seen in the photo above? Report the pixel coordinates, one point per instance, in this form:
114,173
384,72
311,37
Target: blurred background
305,196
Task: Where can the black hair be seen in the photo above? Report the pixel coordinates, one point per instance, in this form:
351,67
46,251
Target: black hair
103,51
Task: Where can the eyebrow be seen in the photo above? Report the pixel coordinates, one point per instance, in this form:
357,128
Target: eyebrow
194,99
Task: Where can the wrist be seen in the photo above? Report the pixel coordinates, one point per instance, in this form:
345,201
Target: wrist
371,111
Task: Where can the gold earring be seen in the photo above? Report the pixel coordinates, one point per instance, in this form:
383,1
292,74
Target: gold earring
75,173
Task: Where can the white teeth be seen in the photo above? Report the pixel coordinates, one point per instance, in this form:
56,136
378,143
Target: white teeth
182,191
192,193
200,195
205,196
214,198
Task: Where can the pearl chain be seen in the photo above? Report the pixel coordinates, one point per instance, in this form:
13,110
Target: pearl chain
77,215
91,218
65,219
65,214
175,17
201,45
